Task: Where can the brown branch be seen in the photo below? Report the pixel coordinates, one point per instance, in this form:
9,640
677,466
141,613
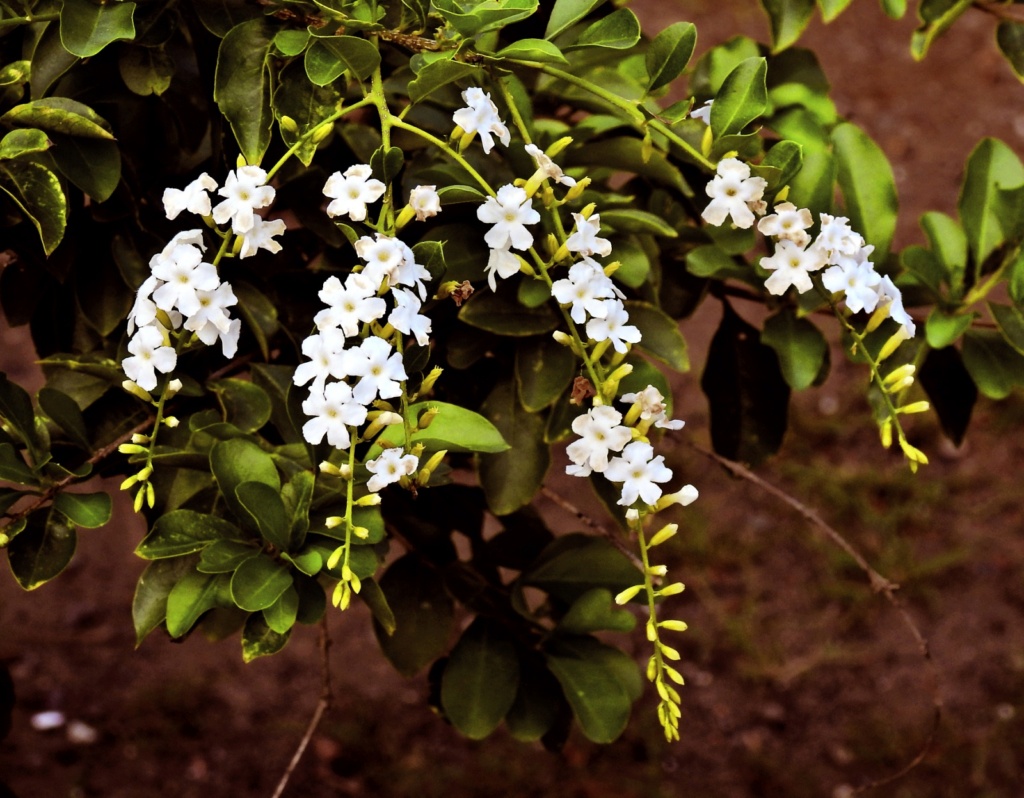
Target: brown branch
322,706
569,507
879,584
997,10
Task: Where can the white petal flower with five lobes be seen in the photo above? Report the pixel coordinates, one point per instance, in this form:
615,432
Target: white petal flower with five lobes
503,263
212,321
509,212
600,432
326,359
734,193
480,116
856,277
549,167
410,273
791,266
889,293
351,191
612,327
585,288
183,274
149,355
390,466
837,237
350,305
332,411
585,240
788,222
144,310
379,367
261,236
652,407
425,201
245,191
638,469
193,198
383,255
406,316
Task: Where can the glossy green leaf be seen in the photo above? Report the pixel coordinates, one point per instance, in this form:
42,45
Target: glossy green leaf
193,595
576,564
499,312
50,61
291,42
814,185
298,496
454,428
13,468
669,53
437,74
634,261
868,186
305,104
993,364
245,404
259,640
37,192
949,244
93,165
258,313
566,13
632,220
276,382
620,30
387,163
149,606
709,260
327,57
480,679
512,478
1010,38
224,556
183,532
242,86
596,611
942,329
830,9
935,24
539,701
423,614
236,461
280,616
65,413
23,141
146,70
991,167
88,510
16,410
42,549
789,19
59,115
87,27
266,512
660,335
544,370
802,349
484,17
787,158
258,582
742,98
1010,322
533,50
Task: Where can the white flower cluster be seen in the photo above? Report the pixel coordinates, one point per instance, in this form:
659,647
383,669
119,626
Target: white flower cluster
734,193
184,291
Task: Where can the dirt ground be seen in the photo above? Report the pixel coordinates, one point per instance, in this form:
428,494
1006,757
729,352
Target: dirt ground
800,680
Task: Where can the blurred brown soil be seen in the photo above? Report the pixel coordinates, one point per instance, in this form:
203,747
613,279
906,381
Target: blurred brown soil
801,681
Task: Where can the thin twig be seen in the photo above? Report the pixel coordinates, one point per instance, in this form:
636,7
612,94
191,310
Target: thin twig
569,507
321,706
879,584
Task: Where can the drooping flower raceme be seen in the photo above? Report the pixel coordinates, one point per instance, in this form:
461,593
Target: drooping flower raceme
480,117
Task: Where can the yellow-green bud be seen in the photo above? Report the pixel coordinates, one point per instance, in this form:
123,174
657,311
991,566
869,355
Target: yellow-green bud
369,500
361,532
576,191
428,469
171,421
663,534
628,594
914,407
707,141
145,473
288,124
588,210
427,417
428,382
130,448
345,471
900,374
668,651
335,558
893,343
782,195
134,389
139,497
329,468
673,626
322,132
671,590
150,495
172,388
333,521
657,570
407,215
139,437
129,482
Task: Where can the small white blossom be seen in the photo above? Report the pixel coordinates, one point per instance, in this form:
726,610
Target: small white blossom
837,237
585,240
183,272
734,193
326,359
788,222
211,320
856,277
144,310
261,236
390,467
549,168
229,340
406,316
638,469
332,411
791,266
379,367
410,273
612,326
383,255
245,190
349,305
480,116
509,212
351,192
600,432
652,407
425,201
889,293
149,355
193,198
703,113
586,288
502,263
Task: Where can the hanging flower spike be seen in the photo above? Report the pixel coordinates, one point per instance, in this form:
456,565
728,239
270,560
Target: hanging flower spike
734,193
390,467
480,117
791,266
193,198
245,191
509,212
351,191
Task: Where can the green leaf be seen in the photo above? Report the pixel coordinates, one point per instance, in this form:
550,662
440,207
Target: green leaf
146,70
634,261
13,468
942,329
484,17
992,167
245,404
894,9
1010,322
454,428
267,512
600,683
566,13
59,115
669,54
386,164
710,260
830,9
631,220
951,390
91,164
183,532
423,614
258,313
576,564
742,98
16,410
64,412
748,395
787,158
42,549
22,142
660,334
596,611
480,679
533,50
280,616
437,74
236,461
298,496
544,370
291,42
512,478
329,56
814,185
620,30
949,245
259,640
193,595
789,19
242,86
220,16
307,105
258,582
936,23
50,61
89,510
224,556
802,349
1010,38
37,192
87,27
868,186
149,606
627,154
993,364
374,598
276,382
499,312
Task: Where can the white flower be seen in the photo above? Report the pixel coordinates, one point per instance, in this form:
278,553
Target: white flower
788,222
652,407
211,320
193,198
425,201
351,191
383,256
144,310
791,265
509,212
503,263
857,278
261,236
586,288
244,191
183,272
585,239
410,273
349,305
326,359
149,355
548,167
612,326
380,368
406,317
229,339
837,237
638,469
734,193
600,432
686,495
390,467
703,113
332,411
481,117
888,292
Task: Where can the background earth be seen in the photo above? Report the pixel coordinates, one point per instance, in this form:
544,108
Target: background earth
800,680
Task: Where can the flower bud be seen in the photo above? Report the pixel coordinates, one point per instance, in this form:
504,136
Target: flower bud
171,421
900,374
139,437
329,468
172,388
671,590
288,124
893,343
686,495
673,626
133,388
782,195
428,469
663,534
322,132
335,558
428,382
914,407
333,521
427,417
139,497
362,533
576,191
628,594
369,500
658,570
129,482
885,431
150,495
131,448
